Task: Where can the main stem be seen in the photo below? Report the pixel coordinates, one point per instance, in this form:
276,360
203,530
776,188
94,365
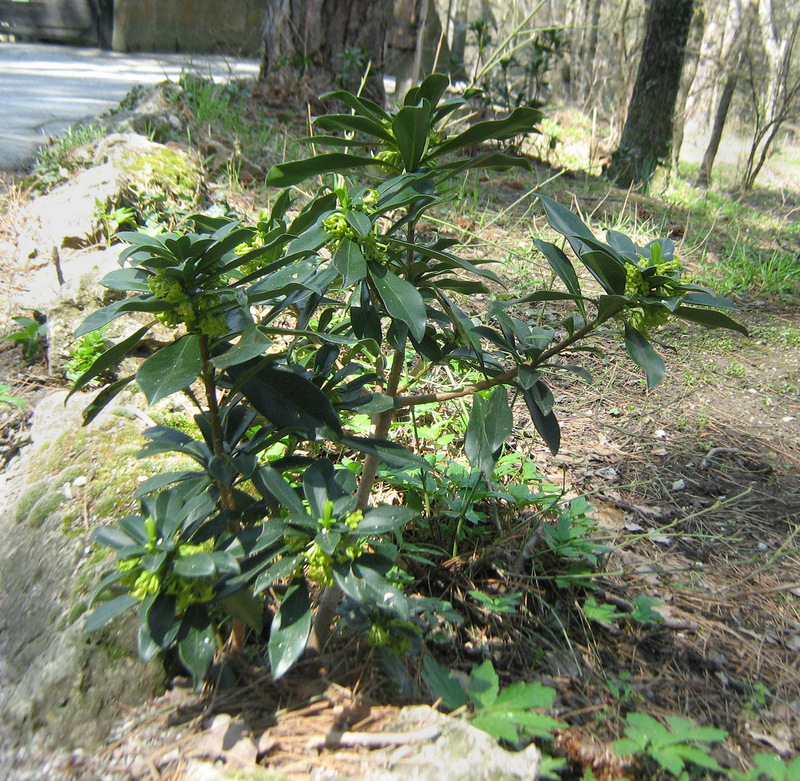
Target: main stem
227,501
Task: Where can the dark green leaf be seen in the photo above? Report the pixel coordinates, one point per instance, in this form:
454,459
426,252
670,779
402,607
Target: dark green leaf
521,122
563,220
350,262
643,354
99,402
281,569
709,318
198,565
291,626
125,279
245,606
276,484
287,174
401,299
411,127
385,518
289,401
561,264
109,359
251,344
350,123
359,221
391,453
171,369
161,623
546,424
197,644
108,611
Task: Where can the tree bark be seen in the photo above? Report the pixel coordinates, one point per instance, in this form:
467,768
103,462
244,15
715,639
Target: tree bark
647,135
304,42
721,114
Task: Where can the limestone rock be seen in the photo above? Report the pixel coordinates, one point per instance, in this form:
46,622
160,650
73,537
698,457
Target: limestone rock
59,687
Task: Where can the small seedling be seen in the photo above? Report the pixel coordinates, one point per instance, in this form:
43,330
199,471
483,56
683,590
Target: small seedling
7,399
511,715
31,334
672,747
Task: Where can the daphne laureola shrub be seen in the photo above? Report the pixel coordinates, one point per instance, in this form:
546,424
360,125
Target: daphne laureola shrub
286,330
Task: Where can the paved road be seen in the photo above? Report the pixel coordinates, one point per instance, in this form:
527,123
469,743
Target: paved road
45,88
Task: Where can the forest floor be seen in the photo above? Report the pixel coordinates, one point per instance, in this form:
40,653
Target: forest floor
696,490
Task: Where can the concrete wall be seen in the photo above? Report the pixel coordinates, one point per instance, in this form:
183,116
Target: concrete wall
200,26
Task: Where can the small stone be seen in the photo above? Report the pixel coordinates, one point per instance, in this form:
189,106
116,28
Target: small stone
660,433
80,481
679,485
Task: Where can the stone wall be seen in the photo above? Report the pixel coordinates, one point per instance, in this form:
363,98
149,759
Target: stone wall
198,26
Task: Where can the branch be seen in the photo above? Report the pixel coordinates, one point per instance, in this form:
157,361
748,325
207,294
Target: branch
501,379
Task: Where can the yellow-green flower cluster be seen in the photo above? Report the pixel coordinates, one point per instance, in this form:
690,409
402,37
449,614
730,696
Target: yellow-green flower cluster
646,315
339,228
381,635
197,310
144,583
318,565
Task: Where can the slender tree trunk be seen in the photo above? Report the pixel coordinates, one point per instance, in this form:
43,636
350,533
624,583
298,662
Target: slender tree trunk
304,42
647,135
720,116
687,78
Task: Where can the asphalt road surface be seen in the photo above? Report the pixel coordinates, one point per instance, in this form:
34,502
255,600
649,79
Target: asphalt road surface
45,88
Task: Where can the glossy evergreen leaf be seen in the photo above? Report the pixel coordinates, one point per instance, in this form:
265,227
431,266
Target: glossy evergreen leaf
290,401
562,266
709,318
280,569
563,220
276,484
109,359
391,453
198,565
127,279
363,106
252,344
112,537
108,611
103,398
291,626
643,354
350,262
350,123
160,618
171,369
197,644
401,299
358,221
521,121
546,424
411,127
294,172
245,606
384,519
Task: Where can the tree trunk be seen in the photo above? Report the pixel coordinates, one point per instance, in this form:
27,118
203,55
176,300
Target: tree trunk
308,45
647,135
687,78
704,177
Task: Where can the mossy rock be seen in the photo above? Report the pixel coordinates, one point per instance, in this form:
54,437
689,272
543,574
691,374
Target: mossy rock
29,497
47,505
